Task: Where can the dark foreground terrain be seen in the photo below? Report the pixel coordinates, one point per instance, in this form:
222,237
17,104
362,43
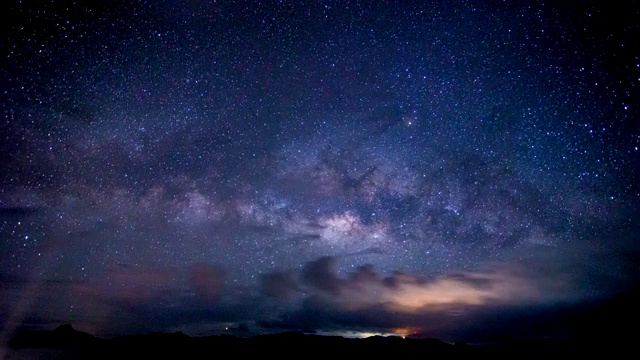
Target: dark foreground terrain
67,343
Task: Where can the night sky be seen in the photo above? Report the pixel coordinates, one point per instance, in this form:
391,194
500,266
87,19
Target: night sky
452,169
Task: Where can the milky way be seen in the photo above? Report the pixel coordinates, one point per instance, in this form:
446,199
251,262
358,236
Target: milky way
328,167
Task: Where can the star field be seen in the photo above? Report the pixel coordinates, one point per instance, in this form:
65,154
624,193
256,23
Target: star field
330,167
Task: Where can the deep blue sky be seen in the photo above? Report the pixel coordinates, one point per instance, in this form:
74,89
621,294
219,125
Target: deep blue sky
334,167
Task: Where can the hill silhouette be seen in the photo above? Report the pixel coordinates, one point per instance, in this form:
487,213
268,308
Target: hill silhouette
179,346
79,345
604,333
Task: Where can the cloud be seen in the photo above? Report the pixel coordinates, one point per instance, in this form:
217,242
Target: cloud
129,299
206,280
366,299
280,285
364,287
320,274
129,285
319,297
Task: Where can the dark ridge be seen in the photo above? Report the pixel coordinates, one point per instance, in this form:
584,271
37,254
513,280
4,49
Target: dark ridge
78,345
63,337
605,334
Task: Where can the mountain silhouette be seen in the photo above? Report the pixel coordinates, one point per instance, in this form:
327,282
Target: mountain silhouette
79,345
604,333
